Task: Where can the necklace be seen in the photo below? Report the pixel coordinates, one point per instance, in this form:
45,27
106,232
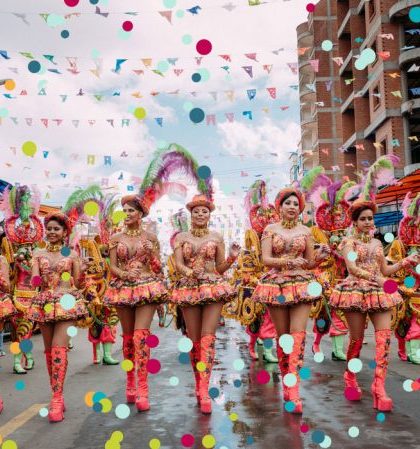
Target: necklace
54,248
133,232
289,224
199,232
365,238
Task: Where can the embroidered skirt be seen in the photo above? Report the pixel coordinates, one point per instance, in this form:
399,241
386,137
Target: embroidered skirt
7,308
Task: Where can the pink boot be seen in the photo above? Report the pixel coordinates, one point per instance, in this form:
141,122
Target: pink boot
142,355
58,374
295,364
381,401
195,358
352,391
283,367
128,352
207,344
401,348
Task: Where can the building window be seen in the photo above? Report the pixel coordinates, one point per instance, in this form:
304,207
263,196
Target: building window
371,9
384,149
376,97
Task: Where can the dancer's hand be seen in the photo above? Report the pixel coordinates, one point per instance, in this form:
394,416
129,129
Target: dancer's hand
148,246
299,262
235,249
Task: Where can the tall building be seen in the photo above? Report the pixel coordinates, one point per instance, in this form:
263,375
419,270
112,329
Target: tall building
351,116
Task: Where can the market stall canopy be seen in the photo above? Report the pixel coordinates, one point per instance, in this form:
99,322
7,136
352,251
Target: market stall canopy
397,192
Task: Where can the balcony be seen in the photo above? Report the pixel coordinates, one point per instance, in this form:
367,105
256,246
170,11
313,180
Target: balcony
401,9
409,56
360,6
410,105
347,103
307,95
345,24
346,62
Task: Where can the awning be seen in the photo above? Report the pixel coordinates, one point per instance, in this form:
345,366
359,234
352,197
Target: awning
388,218
397,192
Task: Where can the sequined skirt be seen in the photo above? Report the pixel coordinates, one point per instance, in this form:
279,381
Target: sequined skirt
7,308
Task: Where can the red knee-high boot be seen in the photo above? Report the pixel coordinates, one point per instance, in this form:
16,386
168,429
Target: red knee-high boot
142,355
128,352
295,364
352,391
195,358
401,348
381,400
317,341
283,366
58,375
48,360
207,353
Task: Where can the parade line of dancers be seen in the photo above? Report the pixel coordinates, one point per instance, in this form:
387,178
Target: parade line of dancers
52,276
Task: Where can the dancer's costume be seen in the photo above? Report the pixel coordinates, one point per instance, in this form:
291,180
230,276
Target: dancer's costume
332,220
361,292
23,232
91,243
57,300
406,317
254,316
285,286
199,250
7,309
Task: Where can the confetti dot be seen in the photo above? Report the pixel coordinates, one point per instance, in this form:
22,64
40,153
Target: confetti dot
367,57
184,358
187,106
71,3
72,331
355,365
152,341
127,25
65,251
26,345
185,344
48,308
9,85
154,443
319,357
214,392
286,343
414,14
91,208
351,394
186,39
20,385
353,432
124,35
326,443
268,343
289,406
408,385
304,428
34,66
95,53
281,299
187,440
197,115
380,417
208,441
9,444
4,112
263,377
318,436
43,412
127,365
320,323
305,373
54,20
67,301
173,381
140,113
36,281
169,3
327,45
89,398
237,383
180,13
14,348
389,237
390,286
290,379
29,148
94,2
409,282
352,256
118,216
110,444
98,396
106,405
153,366
65,34
97,407
117,436
204,73
203,47
238,365
163,66
314,289
196,77
203,172
418,269
372,364
310,7
66,276
249,439
201,366
122,411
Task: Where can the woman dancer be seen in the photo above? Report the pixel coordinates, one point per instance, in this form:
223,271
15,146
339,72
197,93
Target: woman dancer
7,308
59,303
362,293
288,250
201,289
135,290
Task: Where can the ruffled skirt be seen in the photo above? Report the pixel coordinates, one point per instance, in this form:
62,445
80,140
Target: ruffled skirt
193,292
277,288
62,305
361,295
144,291
7,308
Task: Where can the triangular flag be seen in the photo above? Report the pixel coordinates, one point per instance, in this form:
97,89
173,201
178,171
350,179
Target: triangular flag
167,15
172,61
314,64
214,95
50,58
178,71
247,114
45,153
147,62
272,91
3,54
75,123
96,72
248,69
23,92
139,72
28,121
44,121
26,54
44,16
293,67
63,98
42,92
111,121
251,93
226,58
230,94
158,72
118,64
252,56
268,67
230,116
198,60
98,97
159,121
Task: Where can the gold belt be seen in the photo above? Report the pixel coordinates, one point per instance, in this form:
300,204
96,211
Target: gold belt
24,294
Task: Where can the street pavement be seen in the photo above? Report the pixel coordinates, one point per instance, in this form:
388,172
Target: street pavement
246,414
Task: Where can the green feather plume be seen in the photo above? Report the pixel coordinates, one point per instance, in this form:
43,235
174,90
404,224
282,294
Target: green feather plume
342,191
308,180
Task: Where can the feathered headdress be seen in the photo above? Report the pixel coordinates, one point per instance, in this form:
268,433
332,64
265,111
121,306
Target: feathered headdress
409,229
259,212
166,162
12,200
179,222
74,207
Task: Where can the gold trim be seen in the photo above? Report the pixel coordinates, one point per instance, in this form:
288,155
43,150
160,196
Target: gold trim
199,232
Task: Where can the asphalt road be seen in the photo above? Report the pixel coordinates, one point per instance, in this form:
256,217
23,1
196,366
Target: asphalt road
246,414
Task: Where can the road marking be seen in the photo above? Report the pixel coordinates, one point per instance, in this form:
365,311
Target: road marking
19,420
